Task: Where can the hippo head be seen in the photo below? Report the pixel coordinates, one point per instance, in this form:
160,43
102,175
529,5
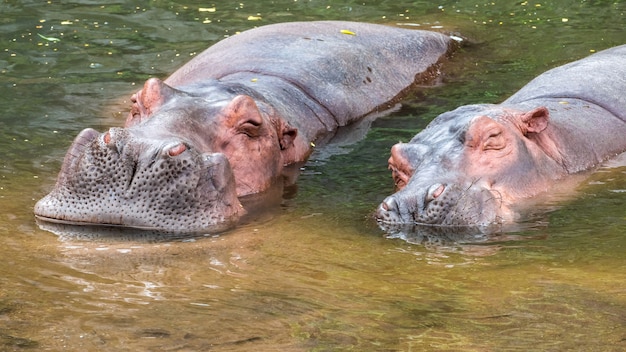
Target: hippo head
123,178
470,166
220,118
179,164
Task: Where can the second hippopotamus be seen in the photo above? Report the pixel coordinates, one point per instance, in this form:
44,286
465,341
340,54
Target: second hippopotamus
228,122
473,166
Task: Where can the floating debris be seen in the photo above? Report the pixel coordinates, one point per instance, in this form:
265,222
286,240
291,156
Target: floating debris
456,38
50,39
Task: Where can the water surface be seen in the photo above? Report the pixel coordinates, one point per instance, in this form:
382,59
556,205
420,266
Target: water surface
316,274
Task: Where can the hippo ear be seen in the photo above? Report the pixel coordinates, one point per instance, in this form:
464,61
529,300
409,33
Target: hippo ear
536,120
286,135
148,100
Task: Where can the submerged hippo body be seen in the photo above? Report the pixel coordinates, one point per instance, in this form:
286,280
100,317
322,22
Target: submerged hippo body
471,166
228,122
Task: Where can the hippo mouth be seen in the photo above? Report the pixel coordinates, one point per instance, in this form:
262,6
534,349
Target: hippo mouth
115,179
450,206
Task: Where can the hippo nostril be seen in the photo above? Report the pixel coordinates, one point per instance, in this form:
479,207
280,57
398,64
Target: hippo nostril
389,204
437,192
107,138
388,210
177,150
434,191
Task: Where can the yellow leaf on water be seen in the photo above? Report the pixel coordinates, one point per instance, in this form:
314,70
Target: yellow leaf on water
50,39
254,18
348,32
207,9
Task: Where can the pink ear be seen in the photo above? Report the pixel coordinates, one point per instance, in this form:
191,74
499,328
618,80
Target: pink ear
148,100
536,120
287,136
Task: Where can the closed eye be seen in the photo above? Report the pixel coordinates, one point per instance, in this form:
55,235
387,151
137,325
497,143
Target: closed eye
495,141
251,127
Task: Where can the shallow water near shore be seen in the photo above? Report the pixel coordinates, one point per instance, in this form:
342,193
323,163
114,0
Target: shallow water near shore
315,273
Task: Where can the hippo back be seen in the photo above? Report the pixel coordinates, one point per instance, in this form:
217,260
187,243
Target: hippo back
586,79
347,68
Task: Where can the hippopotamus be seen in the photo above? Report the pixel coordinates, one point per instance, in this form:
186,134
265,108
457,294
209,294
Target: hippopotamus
482,165
232,120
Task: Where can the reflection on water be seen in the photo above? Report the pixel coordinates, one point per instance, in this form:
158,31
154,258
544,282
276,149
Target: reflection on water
313,273
436,236
100,233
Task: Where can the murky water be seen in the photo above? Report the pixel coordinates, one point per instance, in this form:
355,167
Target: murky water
316,274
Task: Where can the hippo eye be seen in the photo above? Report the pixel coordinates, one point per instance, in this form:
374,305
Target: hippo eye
177,149
495,141
250,127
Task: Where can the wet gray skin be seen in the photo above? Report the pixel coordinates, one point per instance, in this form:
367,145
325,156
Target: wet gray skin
439,193
480,165
151,178
235,121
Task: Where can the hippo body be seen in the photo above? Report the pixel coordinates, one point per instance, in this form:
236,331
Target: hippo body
473,165
229,122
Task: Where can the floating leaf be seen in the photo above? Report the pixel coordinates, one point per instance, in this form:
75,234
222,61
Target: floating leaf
345,31
50,39
456,38
254,18
207,9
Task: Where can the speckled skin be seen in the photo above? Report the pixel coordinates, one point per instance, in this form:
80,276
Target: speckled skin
106,184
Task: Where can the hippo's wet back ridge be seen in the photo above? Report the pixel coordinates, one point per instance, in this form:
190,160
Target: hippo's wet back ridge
227,123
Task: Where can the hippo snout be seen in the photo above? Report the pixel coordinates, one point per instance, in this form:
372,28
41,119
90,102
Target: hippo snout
427,207
440,204
388,211
120,179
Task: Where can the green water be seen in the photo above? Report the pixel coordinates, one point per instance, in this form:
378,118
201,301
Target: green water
317,274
